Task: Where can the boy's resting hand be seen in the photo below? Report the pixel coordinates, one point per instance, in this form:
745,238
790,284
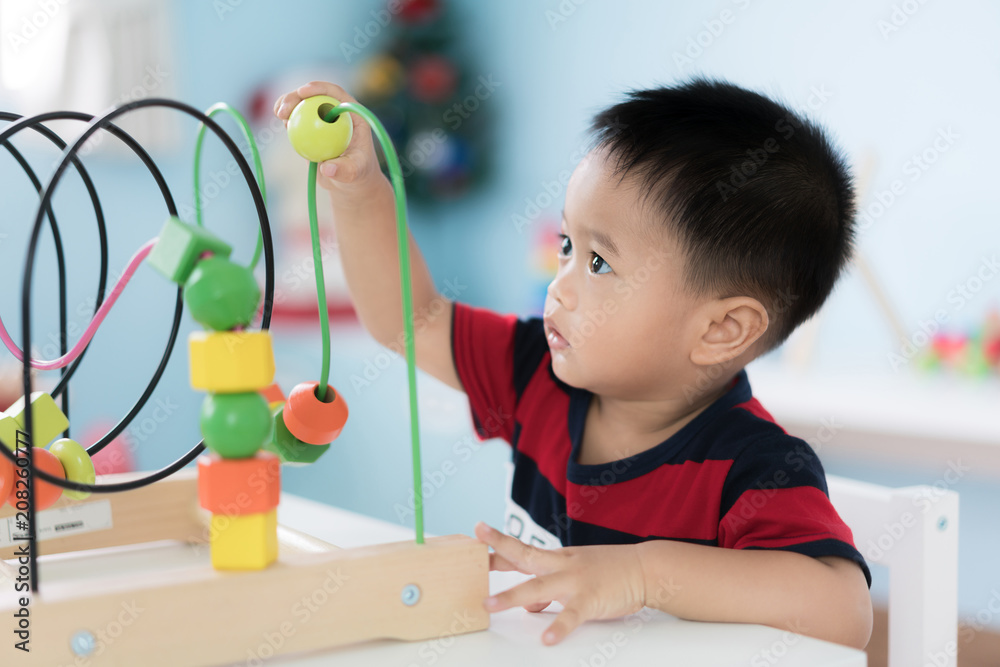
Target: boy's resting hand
592,582
357,169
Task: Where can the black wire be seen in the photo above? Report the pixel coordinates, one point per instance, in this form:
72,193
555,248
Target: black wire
69,154
67,371
104,123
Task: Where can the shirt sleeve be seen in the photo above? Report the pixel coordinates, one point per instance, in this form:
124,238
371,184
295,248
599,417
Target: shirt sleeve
483,348
775,497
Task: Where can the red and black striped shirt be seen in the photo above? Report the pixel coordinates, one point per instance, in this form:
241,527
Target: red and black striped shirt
731,477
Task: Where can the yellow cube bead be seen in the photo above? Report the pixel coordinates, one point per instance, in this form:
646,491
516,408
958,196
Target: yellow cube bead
248,542
47,420
226,362
8,432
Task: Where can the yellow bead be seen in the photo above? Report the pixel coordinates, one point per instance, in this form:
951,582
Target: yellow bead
47,420
230,361
248,542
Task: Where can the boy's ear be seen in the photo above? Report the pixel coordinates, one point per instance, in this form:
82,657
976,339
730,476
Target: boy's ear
732,326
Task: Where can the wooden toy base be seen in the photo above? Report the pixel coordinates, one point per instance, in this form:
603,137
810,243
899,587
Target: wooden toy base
315,597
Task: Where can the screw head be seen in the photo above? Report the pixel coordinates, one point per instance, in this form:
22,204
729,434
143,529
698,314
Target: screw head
942,523
83,643
410,595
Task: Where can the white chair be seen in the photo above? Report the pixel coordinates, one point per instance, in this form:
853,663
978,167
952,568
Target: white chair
913,531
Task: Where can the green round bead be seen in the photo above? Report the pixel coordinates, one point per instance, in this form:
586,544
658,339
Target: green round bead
221,294
235,425
291,450
76,463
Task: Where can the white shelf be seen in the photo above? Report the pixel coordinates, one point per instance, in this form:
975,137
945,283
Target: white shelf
925,418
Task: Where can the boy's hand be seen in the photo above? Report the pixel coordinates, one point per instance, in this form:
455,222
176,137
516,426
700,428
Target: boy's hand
602,581
357,168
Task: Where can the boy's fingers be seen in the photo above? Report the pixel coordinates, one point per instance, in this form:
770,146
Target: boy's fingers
283,107
568,620
500,564
535,608
532,592
527,559
324,88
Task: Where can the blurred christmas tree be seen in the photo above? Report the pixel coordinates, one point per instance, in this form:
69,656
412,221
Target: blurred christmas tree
433,104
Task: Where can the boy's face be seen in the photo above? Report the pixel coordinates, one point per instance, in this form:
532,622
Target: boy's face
618,318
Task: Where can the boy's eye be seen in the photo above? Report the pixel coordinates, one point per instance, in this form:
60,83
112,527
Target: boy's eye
598,265
565,246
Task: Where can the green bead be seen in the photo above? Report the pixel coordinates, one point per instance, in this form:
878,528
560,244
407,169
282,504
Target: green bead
291,450
221,294
235,425
76,462
180,246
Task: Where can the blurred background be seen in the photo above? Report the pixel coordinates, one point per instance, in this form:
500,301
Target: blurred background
895,382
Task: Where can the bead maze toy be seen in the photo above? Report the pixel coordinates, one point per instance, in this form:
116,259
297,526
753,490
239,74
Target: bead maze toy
212,613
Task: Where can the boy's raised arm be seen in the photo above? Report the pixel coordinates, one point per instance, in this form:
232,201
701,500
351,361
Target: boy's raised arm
365,219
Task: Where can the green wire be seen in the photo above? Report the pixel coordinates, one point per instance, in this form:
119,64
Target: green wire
222,107
402,237
324,320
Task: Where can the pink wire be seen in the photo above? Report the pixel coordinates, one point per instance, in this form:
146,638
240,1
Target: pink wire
99,316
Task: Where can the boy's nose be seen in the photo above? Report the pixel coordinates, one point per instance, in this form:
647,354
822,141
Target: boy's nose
560,291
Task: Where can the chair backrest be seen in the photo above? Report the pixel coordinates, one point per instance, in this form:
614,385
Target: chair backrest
913,531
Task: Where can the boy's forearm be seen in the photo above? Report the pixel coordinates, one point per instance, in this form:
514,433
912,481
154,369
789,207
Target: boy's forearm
366,234
825,598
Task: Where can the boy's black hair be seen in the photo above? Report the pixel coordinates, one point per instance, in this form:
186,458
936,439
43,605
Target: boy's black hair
757,196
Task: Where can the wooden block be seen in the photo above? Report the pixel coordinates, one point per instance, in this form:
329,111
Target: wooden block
308,601
166,510
47,418
239,486
231,362
247,542
180,246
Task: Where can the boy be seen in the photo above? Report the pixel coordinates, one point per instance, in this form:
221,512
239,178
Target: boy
703,227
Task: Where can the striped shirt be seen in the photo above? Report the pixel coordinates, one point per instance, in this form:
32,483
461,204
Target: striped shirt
731,477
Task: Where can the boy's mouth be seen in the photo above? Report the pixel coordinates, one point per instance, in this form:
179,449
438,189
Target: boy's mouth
554,338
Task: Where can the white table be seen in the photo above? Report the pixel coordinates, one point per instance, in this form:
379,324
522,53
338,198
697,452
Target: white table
514,636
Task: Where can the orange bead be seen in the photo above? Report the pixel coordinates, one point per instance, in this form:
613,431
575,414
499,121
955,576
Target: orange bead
312,420
6,476
236,487
45,494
